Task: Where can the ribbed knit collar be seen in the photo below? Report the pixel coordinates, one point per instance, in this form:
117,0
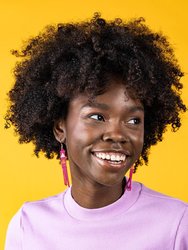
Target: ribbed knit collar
118,207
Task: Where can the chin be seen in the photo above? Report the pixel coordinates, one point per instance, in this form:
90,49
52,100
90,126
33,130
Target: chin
111,181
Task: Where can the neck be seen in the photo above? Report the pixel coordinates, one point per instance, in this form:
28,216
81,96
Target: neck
97,196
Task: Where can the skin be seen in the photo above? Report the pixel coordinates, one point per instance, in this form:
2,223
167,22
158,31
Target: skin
113,123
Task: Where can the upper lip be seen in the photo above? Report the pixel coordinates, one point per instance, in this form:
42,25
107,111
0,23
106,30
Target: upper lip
125,152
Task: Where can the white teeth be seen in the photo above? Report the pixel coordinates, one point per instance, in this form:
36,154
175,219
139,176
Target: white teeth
103,156
122,158
108,157
117,158
111,157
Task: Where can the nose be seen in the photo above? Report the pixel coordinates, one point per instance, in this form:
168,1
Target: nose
115,133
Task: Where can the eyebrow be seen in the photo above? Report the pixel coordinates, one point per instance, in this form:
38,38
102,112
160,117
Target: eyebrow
106,107
136,108
96,105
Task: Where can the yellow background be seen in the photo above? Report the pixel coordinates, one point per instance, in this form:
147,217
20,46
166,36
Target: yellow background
24,177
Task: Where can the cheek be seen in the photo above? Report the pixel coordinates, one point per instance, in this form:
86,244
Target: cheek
79,145
137,139
80,137
84,133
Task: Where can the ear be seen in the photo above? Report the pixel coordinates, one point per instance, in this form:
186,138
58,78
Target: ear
59,130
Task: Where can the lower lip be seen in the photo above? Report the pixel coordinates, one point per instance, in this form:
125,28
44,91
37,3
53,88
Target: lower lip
110,164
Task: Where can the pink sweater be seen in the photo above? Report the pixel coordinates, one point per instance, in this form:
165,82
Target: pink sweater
141,219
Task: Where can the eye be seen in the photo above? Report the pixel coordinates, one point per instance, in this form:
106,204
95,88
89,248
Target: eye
97,117
134,121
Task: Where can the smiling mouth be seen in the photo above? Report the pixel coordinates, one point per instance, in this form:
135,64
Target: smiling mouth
111,157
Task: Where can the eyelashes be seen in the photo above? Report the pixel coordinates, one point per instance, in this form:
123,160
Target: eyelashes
101,118
97,117
134,121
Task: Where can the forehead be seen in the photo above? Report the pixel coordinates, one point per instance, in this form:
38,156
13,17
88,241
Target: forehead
115,95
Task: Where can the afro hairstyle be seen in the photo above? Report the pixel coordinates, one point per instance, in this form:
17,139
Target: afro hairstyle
68,59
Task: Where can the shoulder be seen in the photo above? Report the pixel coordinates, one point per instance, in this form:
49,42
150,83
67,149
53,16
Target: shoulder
166,211
32,215
163,206
159,198
38,210
46,209
46,203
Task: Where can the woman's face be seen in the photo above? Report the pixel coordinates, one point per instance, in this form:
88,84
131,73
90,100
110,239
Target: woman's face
104,137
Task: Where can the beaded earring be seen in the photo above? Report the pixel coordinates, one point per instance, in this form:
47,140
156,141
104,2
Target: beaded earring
63,159
129,182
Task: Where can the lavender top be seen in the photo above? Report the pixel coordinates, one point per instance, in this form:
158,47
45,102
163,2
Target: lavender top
141,219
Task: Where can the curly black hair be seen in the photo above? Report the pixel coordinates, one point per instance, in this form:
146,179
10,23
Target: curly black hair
67,59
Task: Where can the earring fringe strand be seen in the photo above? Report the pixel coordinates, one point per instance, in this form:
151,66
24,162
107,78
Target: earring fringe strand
129,182
63,160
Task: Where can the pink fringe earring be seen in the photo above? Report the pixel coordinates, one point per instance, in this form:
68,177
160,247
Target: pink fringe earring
129,182
63,159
